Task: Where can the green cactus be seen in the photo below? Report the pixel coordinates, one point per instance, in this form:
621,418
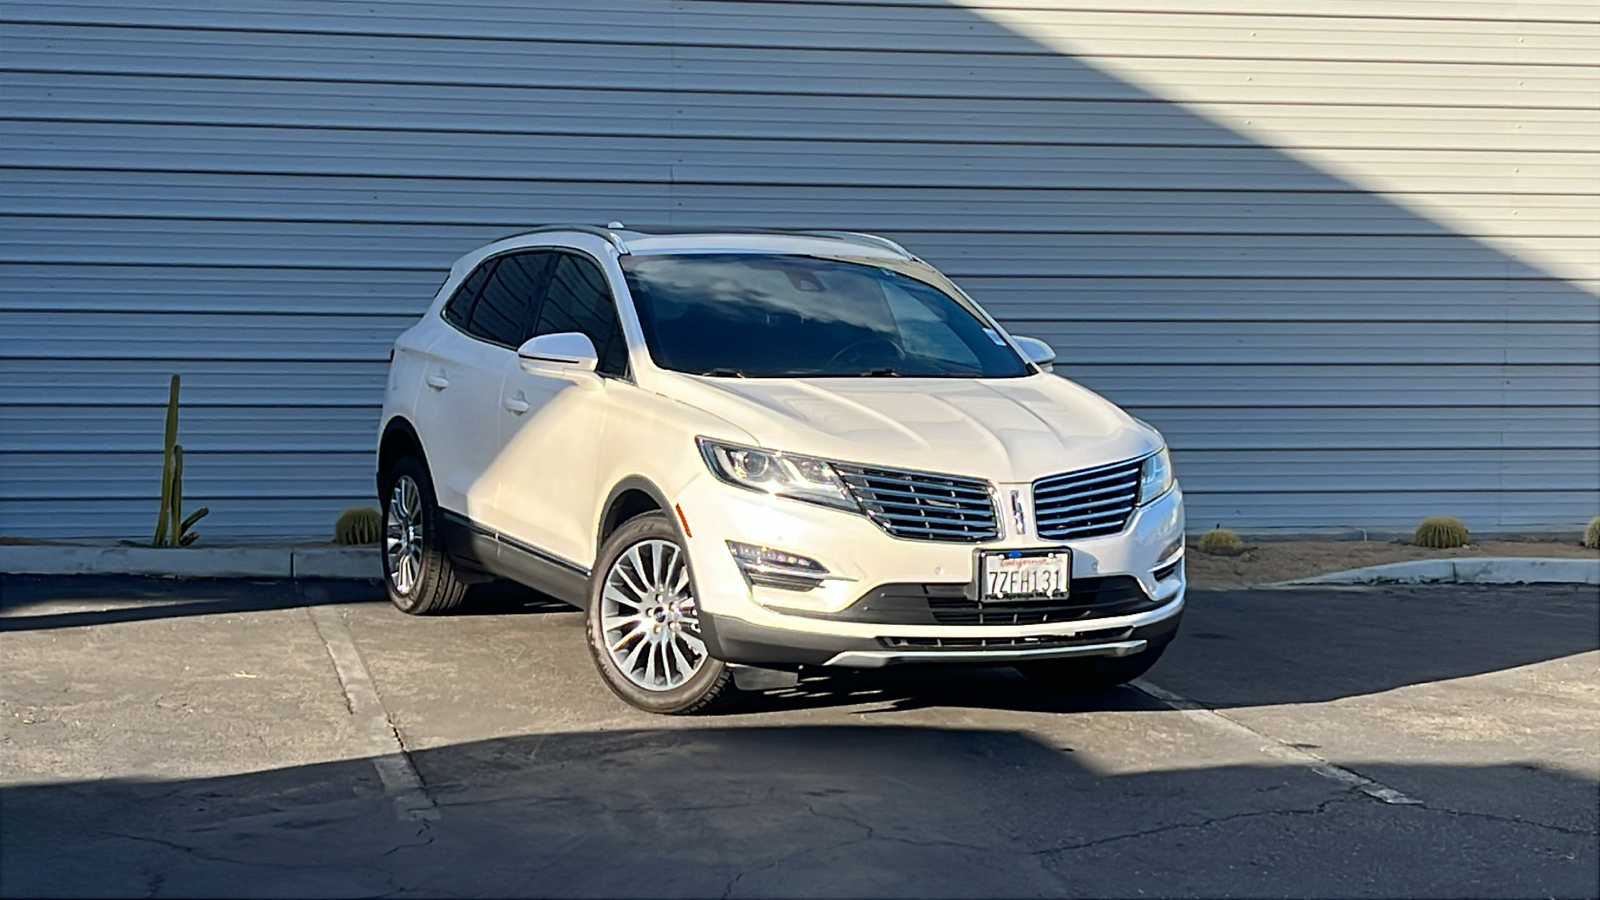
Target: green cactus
1591,535
361,525
1220,541
172,530
1441,533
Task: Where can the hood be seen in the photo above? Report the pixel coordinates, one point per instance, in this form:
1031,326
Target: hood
1005,430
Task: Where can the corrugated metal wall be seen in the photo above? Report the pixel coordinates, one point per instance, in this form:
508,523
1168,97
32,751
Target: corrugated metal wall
1345,258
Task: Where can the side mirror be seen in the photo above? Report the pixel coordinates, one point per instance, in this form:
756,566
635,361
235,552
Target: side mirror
561,355
1038,352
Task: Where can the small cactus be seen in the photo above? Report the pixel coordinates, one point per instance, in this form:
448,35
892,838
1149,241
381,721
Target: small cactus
362,525
1441,533
1220,541
1591,535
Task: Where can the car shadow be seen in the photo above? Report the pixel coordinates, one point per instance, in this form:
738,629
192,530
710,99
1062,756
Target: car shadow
1246,647
112,599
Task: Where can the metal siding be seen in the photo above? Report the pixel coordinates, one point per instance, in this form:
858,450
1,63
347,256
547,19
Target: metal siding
1345,257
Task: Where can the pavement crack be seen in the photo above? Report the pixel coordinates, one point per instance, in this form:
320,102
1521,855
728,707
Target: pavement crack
192,851
1512,820
1181,826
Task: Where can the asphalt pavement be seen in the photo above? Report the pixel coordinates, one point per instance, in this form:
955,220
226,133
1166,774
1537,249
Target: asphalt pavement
237,738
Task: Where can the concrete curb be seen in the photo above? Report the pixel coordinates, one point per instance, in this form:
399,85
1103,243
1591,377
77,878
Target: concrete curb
1468,570
193,562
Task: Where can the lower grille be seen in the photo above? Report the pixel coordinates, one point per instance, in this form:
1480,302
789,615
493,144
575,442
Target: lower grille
946,603
1038,642
921,506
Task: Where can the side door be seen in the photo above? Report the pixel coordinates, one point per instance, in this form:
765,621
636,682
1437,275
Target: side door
459,404
551,426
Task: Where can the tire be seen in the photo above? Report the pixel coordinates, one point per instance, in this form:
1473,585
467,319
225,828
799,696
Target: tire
1094,673
643,628
426,583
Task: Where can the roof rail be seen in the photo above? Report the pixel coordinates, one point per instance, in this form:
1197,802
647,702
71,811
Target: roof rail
610,234
859,237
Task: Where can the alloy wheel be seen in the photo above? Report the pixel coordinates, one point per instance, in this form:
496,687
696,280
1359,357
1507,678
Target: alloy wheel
649,618
403,535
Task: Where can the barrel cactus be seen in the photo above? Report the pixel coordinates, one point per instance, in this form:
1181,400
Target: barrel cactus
1220,541
1441,533
1591,535
362,525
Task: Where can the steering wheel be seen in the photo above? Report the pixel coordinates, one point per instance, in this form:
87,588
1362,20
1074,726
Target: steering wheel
895,353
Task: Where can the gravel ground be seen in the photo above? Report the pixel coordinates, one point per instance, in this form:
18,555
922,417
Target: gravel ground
1271,562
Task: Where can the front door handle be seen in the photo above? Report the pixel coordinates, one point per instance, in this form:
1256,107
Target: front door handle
517,404
437,382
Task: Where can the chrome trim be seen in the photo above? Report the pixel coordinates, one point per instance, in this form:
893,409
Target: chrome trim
817,626
1085,503
611,237
875,659
861,238
967,513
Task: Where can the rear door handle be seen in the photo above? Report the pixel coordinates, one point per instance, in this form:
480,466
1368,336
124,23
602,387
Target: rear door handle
516,404
437,382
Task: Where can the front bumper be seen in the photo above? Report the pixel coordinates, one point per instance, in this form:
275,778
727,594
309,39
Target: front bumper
735,640
835,625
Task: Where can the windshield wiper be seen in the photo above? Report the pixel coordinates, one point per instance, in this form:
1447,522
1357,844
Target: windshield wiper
884,372
723,372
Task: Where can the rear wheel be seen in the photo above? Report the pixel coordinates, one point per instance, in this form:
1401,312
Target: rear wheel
1094,673
418,573
644,622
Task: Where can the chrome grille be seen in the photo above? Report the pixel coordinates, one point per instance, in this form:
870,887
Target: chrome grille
921,506
1088,503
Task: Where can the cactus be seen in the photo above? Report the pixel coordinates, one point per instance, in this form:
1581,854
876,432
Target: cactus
1220,541
361,525
1441,533
1591,535
172,530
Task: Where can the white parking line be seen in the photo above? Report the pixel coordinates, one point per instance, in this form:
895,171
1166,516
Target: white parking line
1275,748
400,779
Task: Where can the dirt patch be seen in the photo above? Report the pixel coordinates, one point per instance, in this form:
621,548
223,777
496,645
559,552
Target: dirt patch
1268,562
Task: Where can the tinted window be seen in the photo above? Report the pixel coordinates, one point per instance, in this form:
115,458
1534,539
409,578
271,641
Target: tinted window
776,316
459,309
577,299
500,316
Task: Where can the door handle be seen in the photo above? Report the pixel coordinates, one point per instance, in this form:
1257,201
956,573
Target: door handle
516,404
437,382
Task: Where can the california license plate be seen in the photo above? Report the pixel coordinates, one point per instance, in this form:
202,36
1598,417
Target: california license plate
1024,574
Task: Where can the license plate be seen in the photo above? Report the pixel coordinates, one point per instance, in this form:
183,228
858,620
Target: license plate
1024,574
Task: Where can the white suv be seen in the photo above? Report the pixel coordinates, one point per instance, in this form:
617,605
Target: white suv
743,453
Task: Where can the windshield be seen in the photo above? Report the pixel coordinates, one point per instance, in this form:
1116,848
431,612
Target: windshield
782,316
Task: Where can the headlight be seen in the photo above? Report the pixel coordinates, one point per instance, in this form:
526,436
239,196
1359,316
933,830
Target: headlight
779,474
1155,476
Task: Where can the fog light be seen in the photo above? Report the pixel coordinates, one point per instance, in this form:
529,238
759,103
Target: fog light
769,567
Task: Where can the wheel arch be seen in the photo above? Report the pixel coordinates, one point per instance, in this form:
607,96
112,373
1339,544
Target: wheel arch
399,438
633,496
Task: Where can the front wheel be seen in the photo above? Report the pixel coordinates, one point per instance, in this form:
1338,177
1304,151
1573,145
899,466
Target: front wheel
644,622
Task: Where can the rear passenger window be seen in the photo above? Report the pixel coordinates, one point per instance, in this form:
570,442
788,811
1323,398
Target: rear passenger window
501,314
578,299
459,309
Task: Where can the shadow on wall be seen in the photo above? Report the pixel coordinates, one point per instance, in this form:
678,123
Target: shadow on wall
1317,354
806,811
